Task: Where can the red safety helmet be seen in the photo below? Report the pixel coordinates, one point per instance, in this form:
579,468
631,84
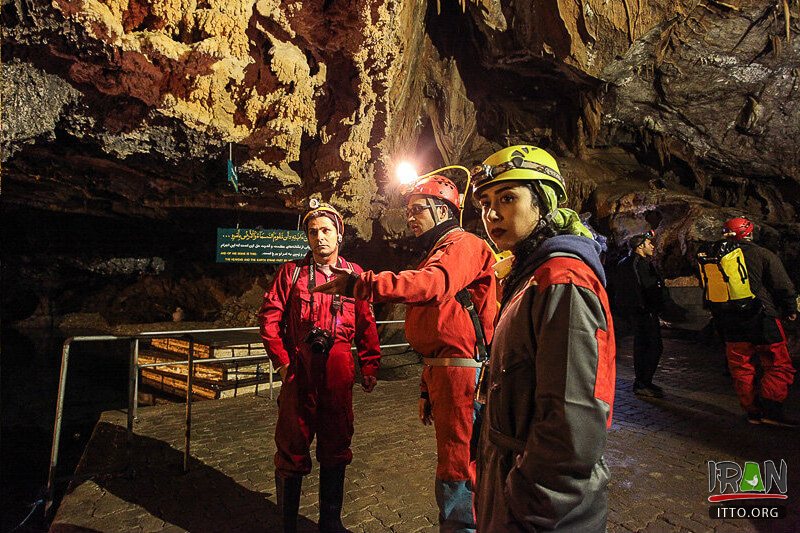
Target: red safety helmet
740,227
437,187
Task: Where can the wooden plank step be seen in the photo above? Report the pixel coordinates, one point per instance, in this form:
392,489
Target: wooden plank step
202,388
216,372
180,346
233,348
204,369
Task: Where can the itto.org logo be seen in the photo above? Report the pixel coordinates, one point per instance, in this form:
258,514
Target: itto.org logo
747,491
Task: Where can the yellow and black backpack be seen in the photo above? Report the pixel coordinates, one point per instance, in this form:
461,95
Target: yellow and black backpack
723,273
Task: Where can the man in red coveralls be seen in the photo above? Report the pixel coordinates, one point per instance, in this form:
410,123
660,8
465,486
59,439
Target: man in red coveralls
308,338
441,329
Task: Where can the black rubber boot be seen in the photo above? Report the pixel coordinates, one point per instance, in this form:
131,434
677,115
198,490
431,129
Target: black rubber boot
772,414
331,495
287,490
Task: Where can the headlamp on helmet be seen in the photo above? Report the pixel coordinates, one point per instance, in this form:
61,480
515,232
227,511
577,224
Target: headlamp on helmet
481,174
640,238
519,163
323,209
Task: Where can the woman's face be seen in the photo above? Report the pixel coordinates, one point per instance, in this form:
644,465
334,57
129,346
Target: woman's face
508,213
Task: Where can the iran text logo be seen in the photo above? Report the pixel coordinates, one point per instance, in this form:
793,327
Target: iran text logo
747,491
752,481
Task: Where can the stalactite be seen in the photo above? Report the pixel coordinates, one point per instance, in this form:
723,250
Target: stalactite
462,3
787,21
776,45
630,20
592,111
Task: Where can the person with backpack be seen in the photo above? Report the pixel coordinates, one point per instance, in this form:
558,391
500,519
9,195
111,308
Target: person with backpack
749,293
451,304
640,298
551,380
308,337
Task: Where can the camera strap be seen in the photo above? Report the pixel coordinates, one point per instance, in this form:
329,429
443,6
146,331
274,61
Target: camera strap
312,282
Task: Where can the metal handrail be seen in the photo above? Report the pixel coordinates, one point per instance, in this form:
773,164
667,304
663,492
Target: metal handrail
249,328
133,382
134,339
235,359
208,360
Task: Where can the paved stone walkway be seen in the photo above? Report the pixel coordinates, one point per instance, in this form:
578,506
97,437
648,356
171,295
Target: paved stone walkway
657,450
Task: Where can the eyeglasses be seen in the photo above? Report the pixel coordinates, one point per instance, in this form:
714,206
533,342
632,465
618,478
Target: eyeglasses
416,210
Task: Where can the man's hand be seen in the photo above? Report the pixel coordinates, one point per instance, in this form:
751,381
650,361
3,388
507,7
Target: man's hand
792,317
283,370
368,382
425,413
342,284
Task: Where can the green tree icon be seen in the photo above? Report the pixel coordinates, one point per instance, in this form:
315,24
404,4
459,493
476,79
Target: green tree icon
751,478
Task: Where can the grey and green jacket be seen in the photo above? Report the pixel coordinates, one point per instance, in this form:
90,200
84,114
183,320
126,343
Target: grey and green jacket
550,397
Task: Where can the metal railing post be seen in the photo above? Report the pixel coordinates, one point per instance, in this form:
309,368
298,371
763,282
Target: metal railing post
133,386
189,383
271,370
51,474
236,383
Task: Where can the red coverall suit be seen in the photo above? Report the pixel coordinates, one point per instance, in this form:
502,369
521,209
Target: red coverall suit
437,325
317,397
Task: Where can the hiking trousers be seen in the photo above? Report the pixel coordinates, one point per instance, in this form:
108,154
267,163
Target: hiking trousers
776,365
647,346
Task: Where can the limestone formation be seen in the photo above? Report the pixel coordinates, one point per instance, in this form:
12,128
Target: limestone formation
671,115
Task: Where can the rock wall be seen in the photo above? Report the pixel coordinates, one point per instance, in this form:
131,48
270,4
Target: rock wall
671,115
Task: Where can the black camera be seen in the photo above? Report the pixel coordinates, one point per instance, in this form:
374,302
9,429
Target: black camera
320,340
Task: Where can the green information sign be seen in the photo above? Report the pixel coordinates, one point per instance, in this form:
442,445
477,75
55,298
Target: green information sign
260,245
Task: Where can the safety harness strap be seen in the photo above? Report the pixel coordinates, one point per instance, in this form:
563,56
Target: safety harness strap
450,361
481,353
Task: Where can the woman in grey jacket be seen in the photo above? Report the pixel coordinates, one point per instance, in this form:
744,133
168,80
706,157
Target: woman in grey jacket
551,374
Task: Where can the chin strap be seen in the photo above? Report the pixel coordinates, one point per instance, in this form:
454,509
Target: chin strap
543,223
433,207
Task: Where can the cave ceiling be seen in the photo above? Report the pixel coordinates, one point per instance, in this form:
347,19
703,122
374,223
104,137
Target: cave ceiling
657,111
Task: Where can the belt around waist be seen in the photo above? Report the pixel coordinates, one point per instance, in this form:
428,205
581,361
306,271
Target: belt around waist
451,361
506,441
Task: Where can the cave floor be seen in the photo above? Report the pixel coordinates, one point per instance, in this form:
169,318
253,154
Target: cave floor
658,452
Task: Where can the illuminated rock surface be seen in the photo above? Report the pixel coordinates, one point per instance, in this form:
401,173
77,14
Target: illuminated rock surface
122,114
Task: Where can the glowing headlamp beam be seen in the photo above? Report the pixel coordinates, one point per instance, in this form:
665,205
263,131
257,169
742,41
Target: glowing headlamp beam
406,174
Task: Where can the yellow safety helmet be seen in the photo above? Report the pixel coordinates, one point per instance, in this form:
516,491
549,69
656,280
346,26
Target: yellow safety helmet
321,208
519,163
